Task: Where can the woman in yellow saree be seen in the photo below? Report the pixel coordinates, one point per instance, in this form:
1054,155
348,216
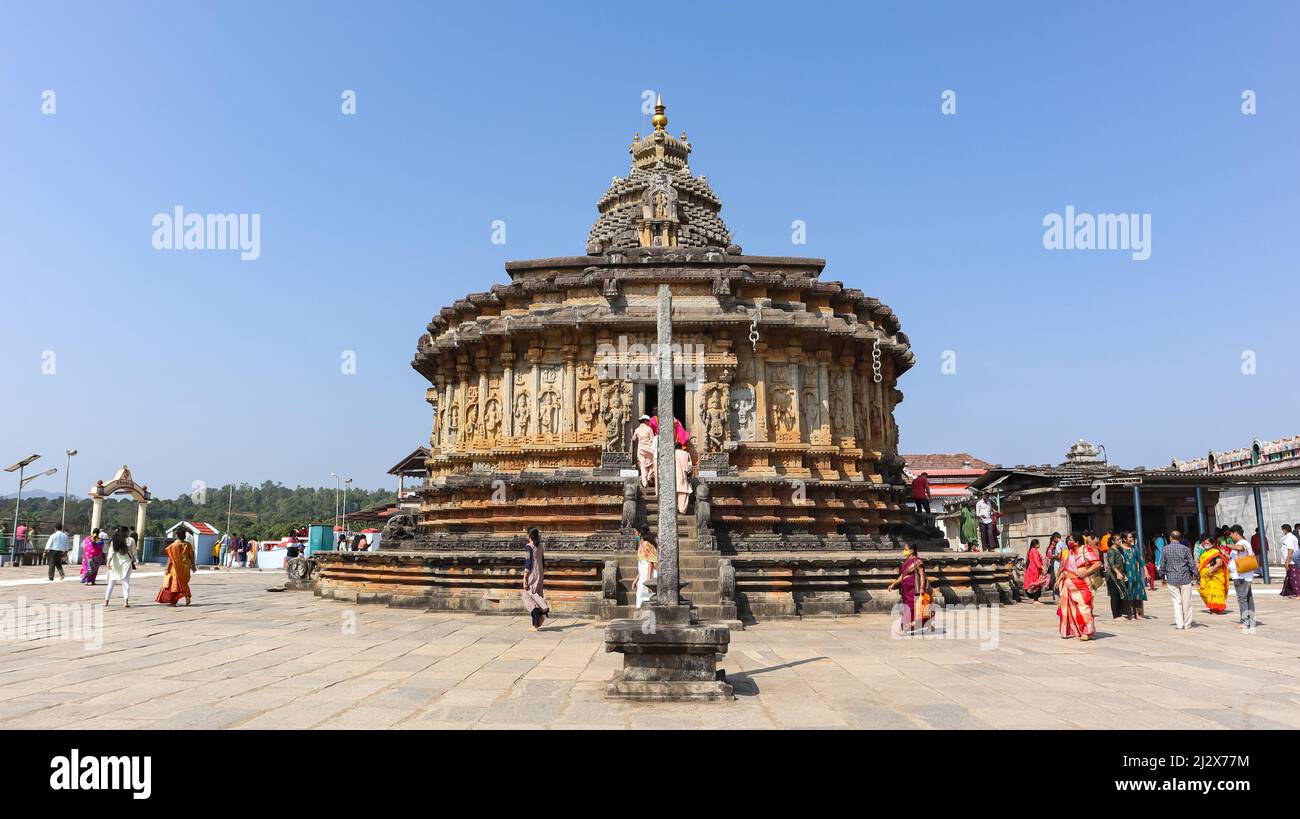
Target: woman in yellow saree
180,564
1213,568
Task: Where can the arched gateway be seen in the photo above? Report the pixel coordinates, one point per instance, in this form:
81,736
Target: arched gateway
122,483
785,382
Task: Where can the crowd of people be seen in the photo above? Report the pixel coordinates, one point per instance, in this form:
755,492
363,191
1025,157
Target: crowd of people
1076,567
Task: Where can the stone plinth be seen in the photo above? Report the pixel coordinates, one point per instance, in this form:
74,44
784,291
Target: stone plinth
667,658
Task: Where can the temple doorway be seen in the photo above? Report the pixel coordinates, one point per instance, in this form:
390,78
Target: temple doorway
651,406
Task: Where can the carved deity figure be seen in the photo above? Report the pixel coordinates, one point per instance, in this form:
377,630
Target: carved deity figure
492,419
812,412
588,406
783,409
549,413
615,415
453,424
715,422
522,414
471,421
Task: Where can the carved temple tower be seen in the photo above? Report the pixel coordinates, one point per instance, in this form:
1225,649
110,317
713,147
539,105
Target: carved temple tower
785,382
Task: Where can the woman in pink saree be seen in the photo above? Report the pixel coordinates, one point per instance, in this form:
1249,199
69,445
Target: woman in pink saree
92,552
1075,612
911,585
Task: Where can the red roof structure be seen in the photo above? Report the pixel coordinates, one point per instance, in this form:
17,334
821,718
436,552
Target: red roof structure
951,474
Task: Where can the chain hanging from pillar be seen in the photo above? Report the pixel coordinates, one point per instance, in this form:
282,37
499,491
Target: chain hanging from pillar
875,361
753,328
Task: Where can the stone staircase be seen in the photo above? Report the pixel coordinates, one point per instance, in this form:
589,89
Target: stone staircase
698,570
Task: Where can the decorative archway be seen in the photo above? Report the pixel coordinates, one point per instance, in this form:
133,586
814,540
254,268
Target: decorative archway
122,482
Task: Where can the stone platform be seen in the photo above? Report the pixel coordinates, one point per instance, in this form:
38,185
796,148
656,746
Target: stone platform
760,585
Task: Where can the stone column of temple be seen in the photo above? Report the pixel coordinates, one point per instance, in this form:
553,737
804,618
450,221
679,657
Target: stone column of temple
430,395
445,435
846,367
535,415
760,392
481,361
795,356
508,391
96,512
568,408
824,392
462,397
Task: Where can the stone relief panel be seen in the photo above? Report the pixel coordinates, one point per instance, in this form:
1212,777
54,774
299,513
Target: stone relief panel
522,413
743,420
616,411
784,422
714,416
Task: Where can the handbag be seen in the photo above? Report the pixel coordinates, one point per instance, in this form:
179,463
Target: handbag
1097,580
1246,563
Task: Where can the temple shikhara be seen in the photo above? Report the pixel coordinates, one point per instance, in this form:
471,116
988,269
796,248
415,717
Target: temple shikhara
785,382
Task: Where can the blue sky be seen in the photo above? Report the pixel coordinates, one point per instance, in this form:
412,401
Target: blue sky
197,366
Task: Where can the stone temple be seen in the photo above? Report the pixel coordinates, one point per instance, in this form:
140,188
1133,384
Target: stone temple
785,381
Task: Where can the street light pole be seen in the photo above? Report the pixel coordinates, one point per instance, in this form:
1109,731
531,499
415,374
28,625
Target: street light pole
346,484
18,502
67,473
336,497
230,504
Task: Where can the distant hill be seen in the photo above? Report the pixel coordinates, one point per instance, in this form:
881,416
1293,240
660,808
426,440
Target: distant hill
33,493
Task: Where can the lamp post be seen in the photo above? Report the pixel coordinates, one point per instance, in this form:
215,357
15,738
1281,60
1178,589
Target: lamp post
19,467
336,497
63,519
346,483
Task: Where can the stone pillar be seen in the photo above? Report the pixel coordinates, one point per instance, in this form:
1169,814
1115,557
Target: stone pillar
446,412
535,379
569,404
760,392
96,512
824,393
481,361
846,367
795,358
462,400
508,390
667,591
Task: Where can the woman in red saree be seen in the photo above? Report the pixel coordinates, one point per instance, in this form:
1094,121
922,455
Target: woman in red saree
1075,611
180,564
911,585
1035,577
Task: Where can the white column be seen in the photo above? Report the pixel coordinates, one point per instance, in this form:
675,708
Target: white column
140,507
96,512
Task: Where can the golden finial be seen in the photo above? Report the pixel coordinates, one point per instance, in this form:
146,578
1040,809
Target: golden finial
659,120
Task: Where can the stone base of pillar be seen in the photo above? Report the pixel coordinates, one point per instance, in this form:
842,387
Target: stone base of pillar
667,658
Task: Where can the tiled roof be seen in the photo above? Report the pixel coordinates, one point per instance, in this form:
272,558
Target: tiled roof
956,460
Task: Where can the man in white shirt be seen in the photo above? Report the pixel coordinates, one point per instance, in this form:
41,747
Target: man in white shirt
1241,581
984,511
1290,544
56,550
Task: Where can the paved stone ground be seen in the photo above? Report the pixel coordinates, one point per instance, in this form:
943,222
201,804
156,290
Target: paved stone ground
244,657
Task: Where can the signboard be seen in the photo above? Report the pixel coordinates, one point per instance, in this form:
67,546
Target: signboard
1131,481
